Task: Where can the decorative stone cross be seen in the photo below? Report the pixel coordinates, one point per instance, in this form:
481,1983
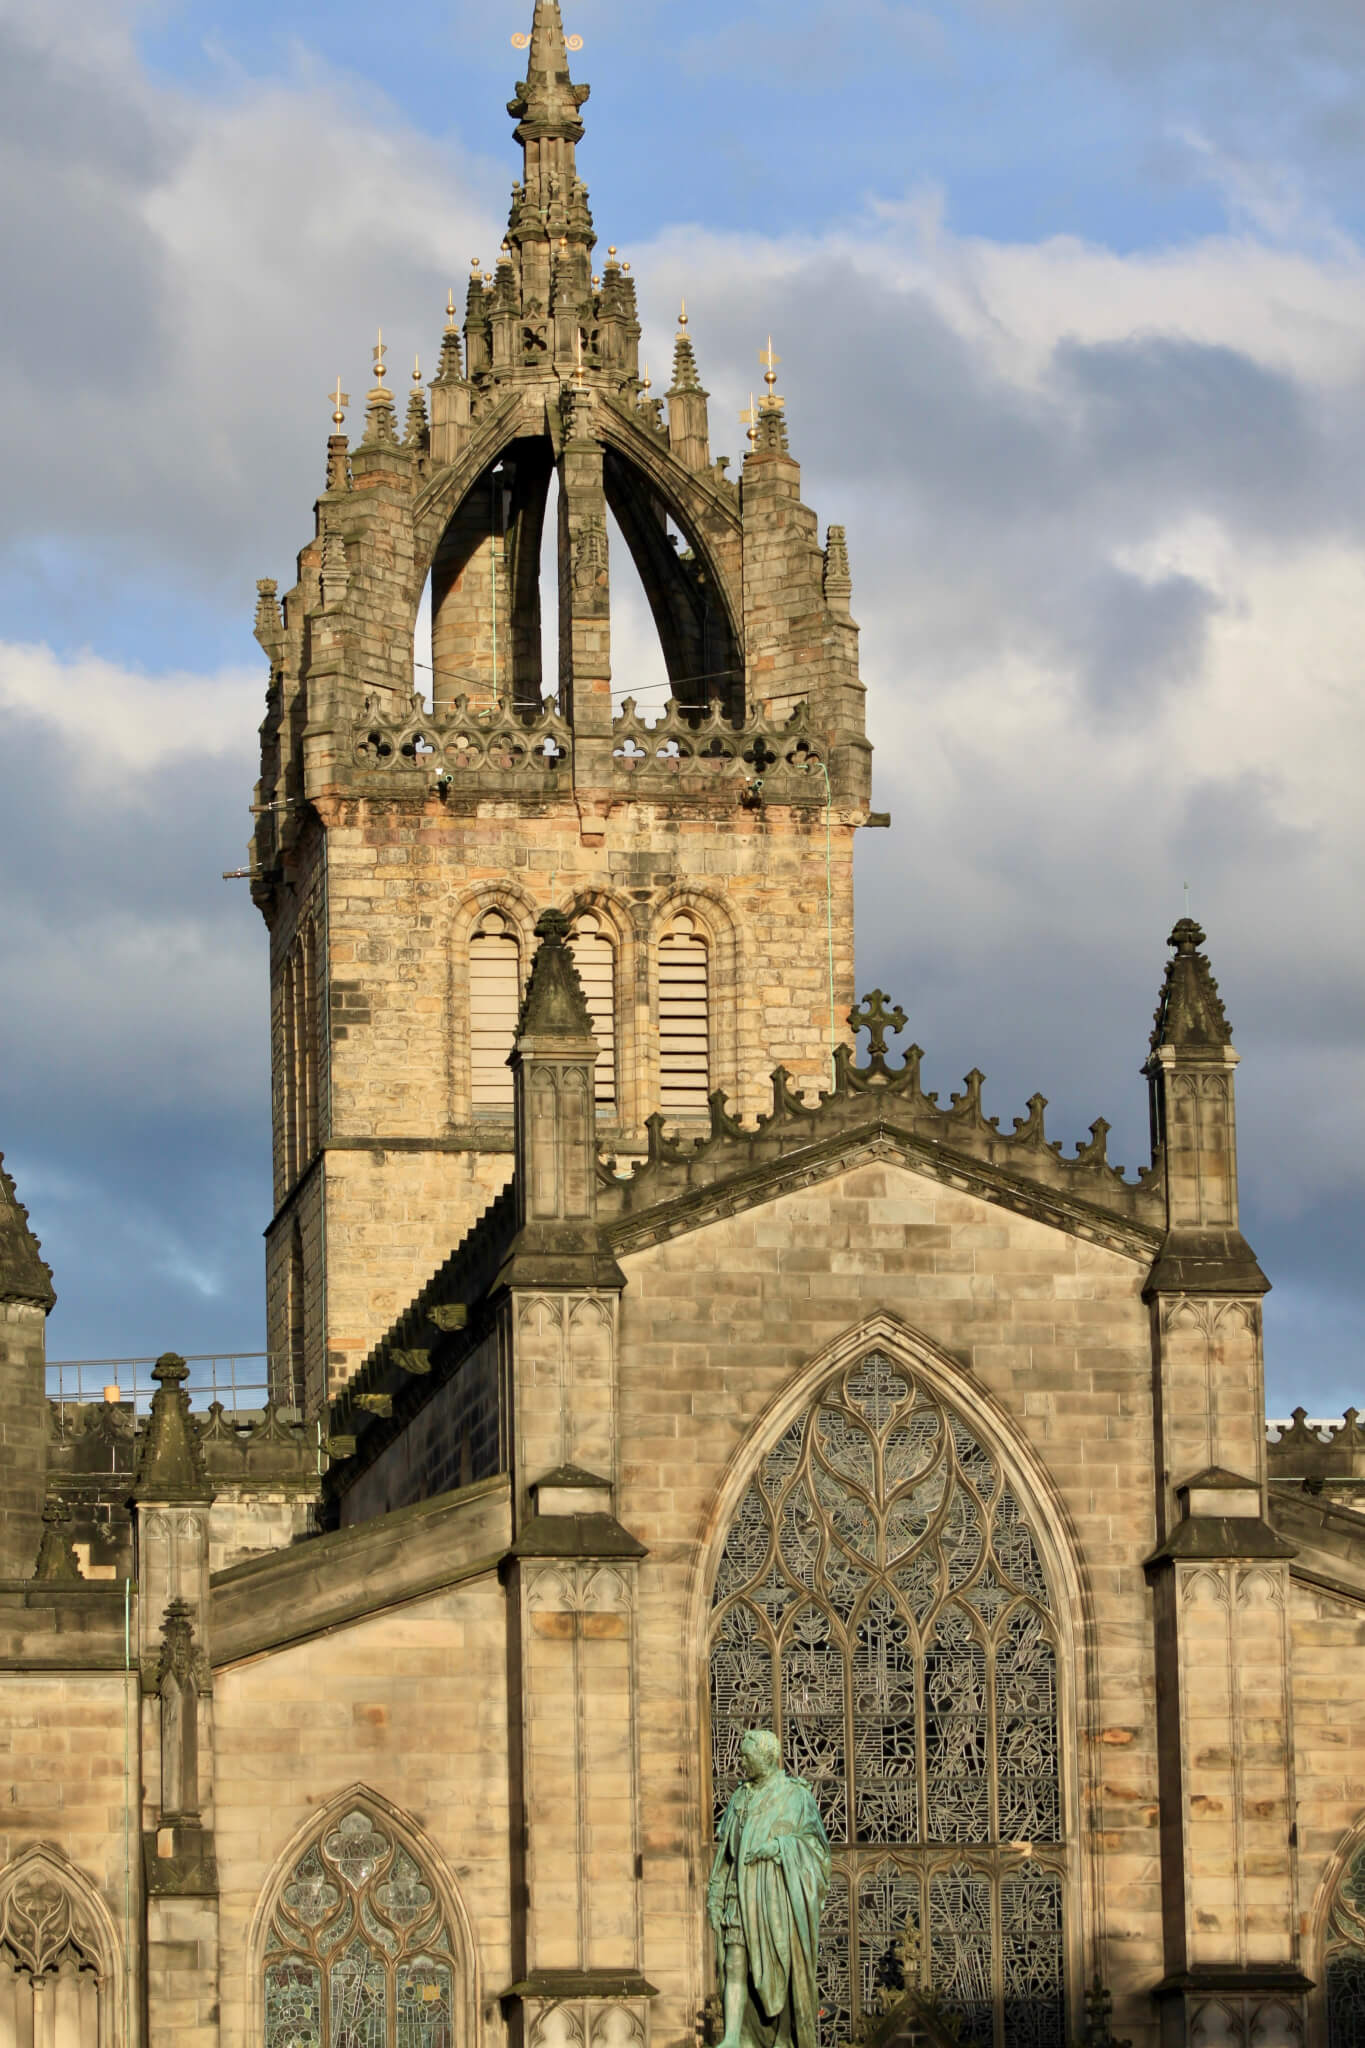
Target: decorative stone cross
875,1019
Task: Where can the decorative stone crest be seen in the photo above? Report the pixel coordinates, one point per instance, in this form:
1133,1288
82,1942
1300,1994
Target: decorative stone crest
590,565
172,1463
56,1559
40,1917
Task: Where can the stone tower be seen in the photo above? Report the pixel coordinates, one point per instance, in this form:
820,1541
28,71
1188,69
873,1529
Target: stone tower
411,829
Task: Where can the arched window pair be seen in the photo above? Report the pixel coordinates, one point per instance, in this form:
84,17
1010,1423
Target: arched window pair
58,1983
881,1603
359,1951
496,975
300,1055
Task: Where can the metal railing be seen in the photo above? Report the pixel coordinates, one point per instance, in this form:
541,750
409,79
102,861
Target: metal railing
239,1380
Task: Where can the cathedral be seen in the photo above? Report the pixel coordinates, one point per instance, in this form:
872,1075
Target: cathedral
653,1360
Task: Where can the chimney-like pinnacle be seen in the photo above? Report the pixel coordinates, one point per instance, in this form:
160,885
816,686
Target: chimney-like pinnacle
1189,1012
381,421
23,1274
56,1559
685,376
416,432
554,1005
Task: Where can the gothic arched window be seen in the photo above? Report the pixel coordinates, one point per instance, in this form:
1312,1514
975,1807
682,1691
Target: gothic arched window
594,956
684,1019
881,1603
57,1979
358,1953
1344,1957
494,998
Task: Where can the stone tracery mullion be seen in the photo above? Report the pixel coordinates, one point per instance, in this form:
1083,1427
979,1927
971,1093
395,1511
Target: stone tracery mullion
884,1515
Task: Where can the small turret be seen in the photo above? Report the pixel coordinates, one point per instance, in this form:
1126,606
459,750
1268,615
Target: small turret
1189,1071
688,428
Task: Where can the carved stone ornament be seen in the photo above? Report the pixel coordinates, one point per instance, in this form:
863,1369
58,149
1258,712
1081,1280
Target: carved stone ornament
40,1918
590,565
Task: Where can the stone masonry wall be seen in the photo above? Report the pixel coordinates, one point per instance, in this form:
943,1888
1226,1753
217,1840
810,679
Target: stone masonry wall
717,1324
411,1705
1327,1673
406,887
23,1435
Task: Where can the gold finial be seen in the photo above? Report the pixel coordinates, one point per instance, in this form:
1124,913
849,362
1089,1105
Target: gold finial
340,400
563,244
505,253
625,270
611,250
682,313
379,371
416,369
474,263
646,384
450,309
488,277
521,41
597,284
750,420
770,359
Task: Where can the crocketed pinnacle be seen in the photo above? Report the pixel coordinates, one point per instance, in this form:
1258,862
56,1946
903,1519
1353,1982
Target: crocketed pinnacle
685,376
1190,1010
554,1004
416,429
547,100
23,1274
171,1466
838,582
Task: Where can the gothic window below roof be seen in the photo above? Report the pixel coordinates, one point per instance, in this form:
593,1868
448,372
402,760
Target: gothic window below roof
882,1604
594,956
684,1020
358,1954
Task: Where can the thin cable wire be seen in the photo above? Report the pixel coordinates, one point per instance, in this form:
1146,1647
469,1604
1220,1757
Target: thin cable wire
829,921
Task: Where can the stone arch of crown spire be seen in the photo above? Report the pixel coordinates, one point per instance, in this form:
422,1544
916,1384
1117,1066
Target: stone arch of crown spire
698,615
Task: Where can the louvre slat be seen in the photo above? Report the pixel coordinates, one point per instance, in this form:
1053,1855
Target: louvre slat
494,998
684,1024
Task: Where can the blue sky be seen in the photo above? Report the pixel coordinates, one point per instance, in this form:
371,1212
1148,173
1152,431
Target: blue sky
1071,301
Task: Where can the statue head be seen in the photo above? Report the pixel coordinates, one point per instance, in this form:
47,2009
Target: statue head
760,1754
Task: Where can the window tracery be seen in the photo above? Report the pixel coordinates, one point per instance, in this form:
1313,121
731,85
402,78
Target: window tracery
1344,1957
881,1602
56,1974
358,1954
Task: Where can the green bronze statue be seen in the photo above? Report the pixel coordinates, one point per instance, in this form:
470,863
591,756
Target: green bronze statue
768,1883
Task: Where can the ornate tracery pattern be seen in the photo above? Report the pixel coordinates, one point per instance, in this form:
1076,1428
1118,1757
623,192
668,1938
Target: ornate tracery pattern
1344,1960
882,1603
359,1953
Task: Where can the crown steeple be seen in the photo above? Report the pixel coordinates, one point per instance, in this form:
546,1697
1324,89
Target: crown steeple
545,108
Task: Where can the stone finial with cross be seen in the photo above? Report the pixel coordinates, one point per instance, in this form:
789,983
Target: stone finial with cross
875,1019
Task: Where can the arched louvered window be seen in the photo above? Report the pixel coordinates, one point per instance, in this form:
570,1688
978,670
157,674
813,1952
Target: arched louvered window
494,996
595,958
1344,1958
359,1954
684,1019
299,1055
881,1604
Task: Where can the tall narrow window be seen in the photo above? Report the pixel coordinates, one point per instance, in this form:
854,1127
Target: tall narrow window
289,1106
684,1020
494,995
293,1393
55,1968
358,1954
881,1603
595,958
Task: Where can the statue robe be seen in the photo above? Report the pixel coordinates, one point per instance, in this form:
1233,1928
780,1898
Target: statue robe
778,1901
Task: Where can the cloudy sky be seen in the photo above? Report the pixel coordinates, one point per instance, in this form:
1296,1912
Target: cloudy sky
1070,296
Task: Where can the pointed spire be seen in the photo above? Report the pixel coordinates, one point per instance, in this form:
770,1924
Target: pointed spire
415,431
56,1558
448,370
547,100
23,1274
685,376
1189,1012
381,421
554,1005
171,1466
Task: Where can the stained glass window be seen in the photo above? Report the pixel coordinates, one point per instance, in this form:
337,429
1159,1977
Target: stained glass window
358,1954
881,1602
1344,1961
